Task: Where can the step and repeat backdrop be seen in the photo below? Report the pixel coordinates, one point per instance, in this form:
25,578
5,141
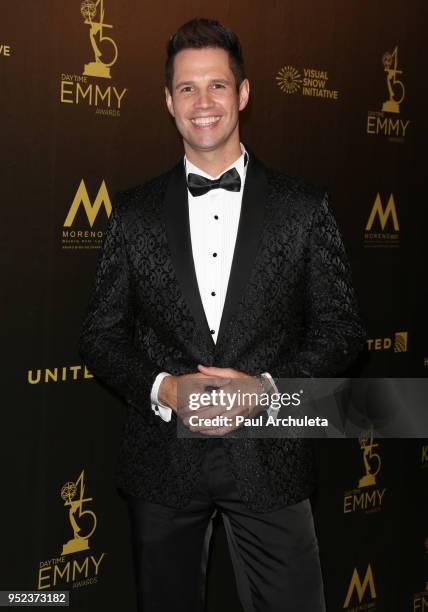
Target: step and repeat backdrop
338,97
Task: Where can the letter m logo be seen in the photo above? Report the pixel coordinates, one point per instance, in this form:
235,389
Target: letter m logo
356,585
92,210
383,214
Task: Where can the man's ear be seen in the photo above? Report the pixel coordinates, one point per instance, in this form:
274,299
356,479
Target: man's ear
169,102
244,94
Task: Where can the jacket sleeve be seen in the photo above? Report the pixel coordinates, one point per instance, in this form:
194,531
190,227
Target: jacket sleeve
334,333
107,337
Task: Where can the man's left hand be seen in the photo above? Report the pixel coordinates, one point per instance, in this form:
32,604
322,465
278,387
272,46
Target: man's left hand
239,382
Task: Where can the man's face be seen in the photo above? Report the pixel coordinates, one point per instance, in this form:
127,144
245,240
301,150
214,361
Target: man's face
204,100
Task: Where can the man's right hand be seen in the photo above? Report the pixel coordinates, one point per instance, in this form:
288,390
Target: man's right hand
167,393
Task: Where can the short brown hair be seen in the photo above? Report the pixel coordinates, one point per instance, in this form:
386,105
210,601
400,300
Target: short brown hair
201,33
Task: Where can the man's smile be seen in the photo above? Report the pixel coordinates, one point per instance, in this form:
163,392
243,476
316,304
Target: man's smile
206,122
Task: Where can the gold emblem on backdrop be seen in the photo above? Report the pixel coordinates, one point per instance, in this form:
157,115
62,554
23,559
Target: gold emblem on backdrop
398,342
384,215
93,12
366,497
361,588
94,87
82,235
386,122
82,198
420,599
424,455
395,87
73,495
289,79
73,567
372,460
313,83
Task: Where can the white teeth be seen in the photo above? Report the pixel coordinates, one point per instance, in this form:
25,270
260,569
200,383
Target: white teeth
205,120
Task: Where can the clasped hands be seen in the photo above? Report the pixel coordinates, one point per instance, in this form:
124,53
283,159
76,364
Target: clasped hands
174,392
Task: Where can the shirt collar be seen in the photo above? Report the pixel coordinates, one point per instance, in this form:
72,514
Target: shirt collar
239,164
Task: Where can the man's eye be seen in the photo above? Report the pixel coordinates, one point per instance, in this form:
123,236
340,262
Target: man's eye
186,88
218,85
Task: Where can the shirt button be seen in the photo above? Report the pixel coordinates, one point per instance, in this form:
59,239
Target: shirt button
212,292
215,216
214,254
212,331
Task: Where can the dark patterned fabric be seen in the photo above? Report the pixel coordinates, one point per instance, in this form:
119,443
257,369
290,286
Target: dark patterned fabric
290,310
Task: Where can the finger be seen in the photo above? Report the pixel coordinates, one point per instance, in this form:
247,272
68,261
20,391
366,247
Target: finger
199,393
218,431
201,396
214,371
199,375
204,412
209,380
215,432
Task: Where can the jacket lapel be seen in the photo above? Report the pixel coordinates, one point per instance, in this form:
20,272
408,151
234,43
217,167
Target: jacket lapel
250,228
179,239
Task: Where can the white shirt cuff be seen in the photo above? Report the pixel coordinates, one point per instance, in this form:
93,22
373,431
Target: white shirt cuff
158,408
271,411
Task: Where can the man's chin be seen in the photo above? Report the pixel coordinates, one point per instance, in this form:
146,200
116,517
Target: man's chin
205,145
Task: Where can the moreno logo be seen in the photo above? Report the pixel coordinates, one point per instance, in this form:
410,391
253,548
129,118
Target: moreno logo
383,214
82,198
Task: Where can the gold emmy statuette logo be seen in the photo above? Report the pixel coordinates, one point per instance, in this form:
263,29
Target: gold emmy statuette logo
383,214
395,87
400,342
372,461
97,68
289,79
91,210
68,494
420,599
360,587
387,121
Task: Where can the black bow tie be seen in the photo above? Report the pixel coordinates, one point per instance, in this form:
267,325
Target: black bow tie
198,185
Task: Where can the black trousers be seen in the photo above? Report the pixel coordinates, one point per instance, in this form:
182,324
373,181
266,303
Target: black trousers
274,554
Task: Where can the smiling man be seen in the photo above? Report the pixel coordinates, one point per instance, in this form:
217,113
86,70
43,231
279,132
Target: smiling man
204,98
226,271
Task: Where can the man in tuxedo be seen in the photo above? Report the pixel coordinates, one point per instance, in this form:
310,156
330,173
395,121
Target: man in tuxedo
219,270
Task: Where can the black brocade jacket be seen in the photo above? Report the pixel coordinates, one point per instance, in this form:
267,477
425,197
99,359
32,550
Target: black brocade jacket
290,310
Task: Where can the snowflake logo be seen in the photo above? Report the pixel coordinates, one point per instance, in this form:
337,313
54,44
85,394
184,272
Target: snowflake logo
289,79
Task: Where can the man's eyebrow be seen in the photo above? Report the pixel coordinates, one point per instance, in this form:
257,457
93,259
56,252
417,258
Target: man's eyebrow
186,83
183,83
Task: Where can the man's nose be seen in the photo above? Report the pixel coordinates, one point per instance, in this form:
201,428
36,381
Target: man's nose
204,99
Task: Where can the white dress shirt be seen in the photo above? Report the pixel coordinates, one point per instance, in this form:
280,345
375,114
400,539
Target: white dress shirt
213,219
